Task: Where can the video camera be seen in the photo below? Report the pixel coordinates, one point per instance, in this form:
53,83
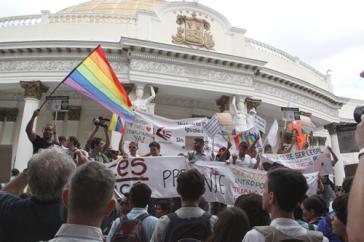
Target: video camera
359,114
100,121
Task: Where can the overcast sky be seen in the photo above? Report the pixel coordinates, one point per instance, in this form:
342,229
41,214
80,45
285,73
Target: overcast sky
327,34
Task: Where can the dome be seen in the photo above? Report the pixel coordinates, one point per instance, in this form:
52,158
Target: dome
120,7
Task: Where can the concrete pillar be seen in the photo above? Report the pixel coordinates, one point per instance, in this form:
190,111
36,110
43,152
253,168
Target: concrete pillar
8,126
339,167
32,94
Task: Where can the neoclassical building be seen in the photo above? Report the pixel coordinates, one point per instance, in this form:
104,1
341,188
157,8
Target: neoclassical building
189,52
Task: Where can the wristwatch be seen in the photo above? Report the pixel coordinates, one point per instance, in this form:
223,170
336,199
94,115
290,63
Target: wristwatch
361,153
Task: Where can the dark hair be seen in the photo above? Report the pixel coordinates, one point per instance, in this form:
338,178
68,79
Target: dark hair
315,203
243,145
91,189
289,187
139,195
199,140
61,139
94,142
15,172
155,144
346,186
191,185
340,206
74,141
231,226
252,205
165,205
267,146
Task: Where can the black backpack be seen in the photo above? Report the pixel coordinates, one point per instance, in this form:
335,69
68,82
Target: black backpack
198,228
131,230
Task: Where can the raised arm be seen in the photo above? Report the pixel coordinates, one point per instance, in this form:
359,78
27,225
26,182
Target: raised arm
16,187
121,146
107,138
92,134
334,157
233,103
29,129
152,95
356,198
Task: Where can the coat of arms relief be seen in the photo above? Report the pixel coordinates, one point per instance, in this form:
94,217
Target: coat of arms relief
193,32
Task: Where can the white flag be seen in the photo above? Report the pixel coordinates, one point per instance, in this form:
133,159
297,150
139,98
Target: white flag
272,134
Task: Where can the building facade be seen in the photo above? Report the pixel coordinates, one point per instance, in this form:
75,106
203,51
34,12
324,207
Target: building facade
189,52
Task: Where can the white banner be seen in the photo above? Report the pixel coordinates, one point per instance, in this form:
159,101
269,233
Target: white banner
223,183
272,136
160,173
305,161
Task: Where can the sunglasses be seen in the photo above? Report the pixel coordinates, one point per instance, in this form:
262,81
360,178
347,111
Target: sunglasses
132,147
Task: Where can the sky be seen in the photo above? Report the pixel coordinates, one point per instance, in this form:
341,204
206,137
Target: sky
326,34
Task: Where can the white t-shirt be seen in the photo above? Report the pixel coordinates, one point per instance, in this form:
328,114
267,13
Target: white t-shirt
246,162
285,225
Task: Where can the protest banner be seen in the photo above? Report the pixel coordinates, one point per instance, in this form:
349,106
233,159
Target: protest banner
223,183
160,173
140,131
306,161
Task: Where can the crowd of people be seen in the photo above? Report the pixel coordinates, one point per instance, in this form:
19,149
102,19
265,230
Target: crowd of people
67,194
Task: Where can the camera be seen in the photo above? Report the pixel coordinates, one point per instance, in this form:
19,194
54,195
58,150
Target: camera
359,114
100,121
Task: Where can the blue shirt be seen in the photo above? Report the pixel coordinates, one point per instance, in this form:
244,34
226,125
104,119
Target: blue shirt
325,227
148,223
29,220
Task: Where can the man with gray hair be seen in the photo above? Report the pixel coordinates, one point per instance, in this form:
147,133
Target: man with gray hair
89,199
40,216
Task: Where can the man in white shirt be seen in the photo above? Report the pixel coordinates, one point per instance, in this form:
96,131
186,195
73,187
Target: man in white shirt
89,199
243,159
284,190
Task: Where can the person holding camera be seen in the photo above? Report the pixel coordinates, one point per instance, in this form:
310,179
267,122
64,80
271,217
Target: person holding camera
95,146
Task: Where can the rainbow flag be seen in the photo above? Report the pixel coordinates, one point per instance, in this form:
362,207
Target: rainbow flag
117,124
95,78
248,137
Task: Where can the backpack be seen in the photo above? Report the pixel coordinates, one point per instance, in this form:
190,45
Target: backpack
131,230
198,228
271,234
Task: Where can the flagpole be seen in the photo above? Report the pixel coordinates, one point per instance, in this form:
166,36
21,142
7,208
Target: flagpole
59,84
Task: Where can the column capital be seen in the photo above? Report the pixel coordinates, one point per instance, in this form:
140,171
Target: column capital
331,128
252,103
33,89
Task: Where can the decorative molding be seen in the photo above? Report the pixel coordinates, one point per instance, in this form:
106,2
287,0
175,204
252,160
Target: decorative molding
252,103
281,92
331,128
223,103
8,114
184,102
33,89
191,71
50,65
193,31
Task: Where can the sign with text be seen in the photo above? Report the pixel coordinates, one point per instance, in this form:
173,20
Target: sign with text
57,103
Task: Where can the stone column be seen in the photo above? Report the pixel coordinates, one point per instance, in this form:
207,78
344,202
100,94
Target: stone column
339,167
32,94
8,127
